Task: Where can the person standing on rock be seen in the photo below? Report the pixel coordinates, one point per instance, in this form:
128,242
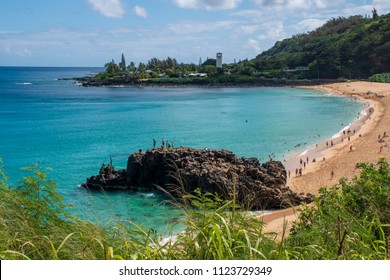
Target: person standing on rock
163,143
102,172
154,144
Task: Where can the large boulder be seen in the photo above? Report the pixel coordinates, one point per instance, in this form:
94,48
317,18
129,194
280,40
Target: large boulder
182,170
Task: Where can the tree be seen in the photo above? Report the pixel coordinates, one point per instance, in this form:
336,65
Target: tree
122,64
112,68
132,67
374,14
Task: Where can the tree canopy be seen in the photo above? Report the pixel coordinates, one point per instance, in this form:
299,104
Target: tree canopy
353,47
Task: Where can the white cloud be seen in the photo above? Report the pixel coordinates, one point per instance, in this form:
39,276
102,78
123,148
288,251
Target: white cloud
310,24
140,11
24,52
248,29
254,45
274,31
297,4
207,4
108,8
196,27
382,6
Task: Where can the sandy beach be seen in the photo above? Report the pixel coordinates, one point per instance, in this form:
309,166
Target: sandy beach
366,141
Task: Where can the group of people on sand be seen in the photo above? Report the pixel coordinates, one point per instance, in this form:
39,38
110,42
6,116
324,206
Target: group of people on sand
303,163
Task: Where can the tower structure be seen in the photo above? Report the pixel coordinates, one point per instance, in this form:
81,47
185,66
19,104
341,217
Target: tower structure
219,60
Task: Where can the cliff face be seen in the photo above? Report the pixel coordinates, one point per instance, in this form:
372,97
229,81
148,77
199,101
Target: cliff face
257,186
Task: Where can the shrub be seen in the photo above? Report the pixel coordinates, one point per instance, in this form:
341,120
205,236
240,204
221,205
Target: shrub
380,78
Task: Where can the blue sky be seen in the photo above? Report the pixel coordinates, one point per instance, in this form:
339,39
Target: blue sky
92,32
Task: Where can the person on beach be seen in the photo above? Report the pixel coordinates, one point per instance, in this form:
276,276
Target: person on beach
296,172
331,143
332,174
307,160
351,148
289,174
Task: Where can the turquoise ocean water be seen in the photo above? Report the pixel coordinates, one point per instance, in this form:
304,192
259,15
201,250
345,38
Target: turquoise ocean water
73,130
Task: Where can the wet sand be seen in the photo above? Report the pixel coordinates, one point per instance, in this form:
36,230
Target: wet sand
366,144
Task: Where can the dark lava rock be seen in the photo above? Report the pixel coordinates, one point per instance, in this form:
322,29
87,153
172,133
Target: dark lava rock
180,170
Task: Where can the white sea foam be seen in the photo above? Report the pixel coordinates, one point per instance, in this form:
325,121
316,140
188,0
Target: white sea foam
338,134
304,152
148,194
24,83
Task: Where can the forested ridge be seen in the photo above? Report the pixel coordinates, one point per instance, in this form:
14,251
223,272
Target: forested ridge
352,48
356,47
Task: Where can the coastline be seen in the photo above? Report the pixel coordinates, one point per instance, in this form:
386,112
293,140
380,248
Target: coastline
363,146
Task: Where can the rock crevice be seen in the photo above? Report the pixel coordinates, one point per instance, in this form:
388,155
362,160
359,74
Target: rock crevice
256,186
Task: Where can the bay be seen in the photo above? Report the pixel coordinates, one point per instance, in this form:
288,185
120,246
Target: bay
73,129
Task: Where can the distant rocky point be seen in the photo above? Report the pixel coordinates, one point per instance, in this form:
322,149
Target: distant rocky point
257,186
194,82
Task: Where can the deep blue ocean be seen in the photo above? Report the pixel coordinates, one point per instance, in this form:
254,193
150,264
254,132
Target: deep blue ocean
73,129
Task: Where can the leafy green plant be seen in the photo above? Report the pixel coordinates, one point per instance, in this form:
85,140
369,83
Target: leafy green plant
380,78
348,221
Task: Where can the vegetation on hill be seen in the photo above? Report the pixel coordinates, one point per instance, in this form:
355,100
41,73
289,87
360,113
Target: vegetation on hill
353,47
349,221
343,48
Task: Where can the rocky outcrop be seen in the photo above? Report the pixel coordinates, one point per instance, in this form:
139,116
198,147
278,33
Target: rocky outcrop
180,170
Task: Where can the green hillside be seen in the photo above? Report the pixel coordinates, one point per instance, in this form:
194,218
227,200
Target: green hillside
352,48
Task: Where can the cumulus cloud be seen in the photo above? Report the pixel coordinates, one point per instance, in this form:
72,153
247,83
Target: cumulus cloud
140,11
207,4
254,45
297,4
197,27
108,8
382,6
310,24
248,29
274,30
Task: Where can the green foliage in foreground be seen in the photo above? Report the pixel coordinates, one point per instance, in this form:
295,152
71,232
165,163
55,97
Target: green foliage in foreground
380,78
348,221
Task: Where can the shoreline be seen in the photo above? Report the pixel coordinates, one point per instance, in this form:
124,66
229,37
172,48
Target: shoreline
312,157
367,144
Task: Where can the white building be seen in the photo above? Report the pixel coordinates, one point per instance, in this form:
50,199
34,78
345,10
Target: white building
219,60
